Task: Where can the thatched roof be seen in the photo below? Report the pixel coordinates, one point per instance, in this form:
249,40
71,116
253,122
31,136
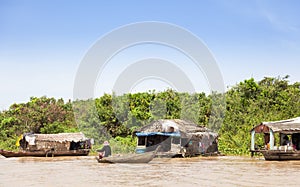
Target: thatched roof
61,137
283,126
178,125
200,135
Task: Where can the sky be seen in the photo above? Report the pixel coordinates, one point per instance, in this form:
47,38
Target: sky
42,43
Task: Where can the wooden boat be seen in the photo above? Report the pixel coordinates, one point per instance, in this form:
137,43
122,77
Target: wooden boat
80,152
130,158
288,134
281,155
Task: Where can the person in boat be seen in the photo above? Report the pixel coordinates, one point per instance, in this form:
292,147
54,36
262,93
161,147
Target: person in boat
286,140
295,141
105,151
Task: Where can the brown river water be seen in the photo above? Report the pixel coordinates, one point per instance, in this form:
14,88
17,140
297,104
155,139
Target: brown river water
200,171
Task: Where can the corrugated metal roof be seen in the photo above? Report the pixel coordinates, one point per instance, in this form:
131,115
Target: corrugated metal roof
61,137
178,125
288,126
157,133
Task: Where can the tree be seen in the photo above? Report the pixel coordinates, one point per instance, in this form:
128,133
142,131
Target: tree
39,115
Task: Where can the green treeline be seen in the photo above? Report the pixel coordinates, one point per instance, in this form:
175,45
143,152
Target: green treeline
112,117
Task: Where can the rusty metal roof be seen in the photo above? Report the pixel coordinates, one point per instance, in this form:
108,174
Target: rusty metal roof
61,137
284,126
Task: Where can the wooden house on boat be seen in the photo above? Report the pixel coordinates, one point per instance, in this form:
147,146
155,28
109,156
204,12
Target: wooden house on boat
61,144
177,138
281,139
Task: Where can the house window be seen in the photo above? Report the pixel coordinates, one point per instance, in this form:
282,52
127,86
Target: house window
176,140
142,140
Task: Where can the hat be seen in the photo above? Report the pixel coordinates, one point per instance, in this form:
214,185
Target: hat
106,143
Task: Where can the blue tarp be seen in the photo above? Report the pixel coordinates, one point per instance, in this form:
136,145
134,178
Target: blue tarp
158,133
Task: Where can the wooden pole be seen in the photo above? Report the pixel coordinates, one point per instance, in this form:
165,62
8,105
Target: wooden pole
271,139
252,148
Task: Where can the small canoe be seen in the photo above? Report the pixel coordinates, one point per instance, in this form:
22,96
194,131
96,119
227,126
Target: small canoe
8,154
129,158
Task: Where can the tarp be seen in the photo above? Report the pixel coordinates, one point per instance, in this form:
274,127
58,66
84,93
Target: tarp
176,134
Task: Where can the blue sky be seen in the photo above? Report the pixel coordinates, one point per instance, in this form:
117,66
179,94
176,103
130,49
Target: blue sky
43,42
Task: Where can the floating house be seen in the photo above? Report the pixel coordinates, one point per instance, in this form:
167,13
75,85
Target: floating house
61,144
177,138
281,139
58,142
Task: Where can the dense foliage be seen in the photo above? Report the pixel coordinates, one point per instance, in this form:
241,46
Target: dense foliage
249,103
115,118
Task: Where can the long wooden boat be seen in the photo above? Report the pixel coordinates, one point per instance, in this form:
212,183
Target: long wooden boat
280,155
130,158
80,152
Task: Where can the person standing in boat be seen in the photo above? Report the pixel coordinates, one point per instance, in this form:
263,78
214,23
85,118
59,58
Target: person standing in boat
105,151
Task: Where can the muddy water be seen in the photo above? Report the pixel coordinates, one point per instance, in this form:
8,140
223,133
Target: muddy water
85,171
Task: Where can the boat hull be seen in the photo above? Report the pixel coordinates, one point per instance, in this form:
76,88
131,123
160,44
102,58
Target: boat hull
9,154
131,158
277,155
